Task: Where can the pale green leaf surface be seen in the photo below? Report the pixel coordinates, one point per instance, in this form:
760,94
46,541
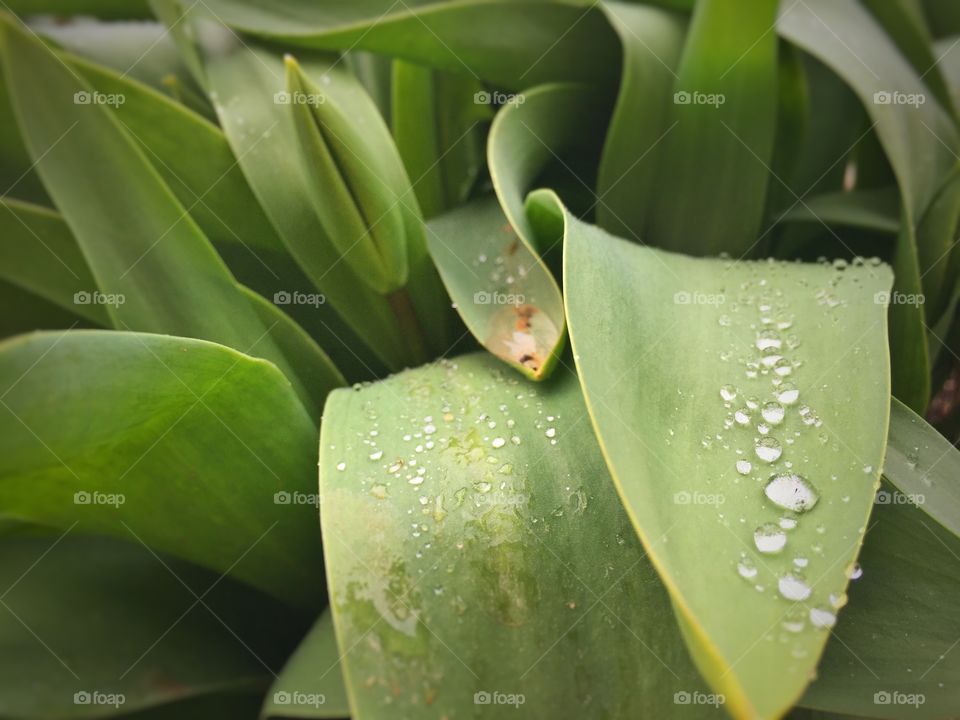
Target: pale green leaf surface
652,377
506,296
197,437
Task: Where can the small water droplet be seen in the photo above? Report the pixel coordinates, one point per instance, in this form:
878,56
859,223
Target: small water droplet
341,466
792,586
788,523
498,442
742,417
746,569
769,538
728,393
379,491
744,467
788,393
773,413
855,572
768,339
822,618
768,449
551,432
376,455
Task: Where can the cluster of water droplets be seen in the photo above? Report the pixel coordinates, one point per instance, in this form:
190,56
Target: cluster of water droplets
765,406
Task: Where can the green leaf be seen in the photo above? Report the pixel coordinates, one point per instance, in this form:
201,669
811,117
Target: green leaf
893,653
498,559
39,255
365,215
517,44
196,437
533,130
436,121
652,40
713,453
135,629
311,683
924,466
243,84
719,148
919,139
504,293
139,241
33,313
868,209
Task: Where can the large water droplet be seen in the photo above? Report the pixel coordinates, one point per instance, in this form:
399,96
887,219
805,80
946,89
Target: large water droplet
793,587
788,393
769,538
791,492
768,449
822,618
768,339
773,413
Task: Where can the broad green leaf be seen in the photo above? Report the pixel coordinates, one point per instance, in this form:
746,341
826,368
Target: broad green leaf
652,40
868,209
39,255
140,243
719,148
534,129
936,243
311,683
504,293
744,423
918,136
17,177
435,119
209,449
517,44
244,83
496,560
134,629
365,215
924,466
893,653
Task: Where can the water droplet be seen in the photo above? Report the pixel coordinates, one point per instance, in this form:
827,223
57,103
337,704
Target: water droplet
855,572
769,538
795,620
379,491
341,466
376,455
791,492
742,417
768,449
744,467
728,393
429,429
768,339
416,480
788,393
800,562
822,618
793,587
838,600
498,442
773,413
746,569
788,523
551,432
